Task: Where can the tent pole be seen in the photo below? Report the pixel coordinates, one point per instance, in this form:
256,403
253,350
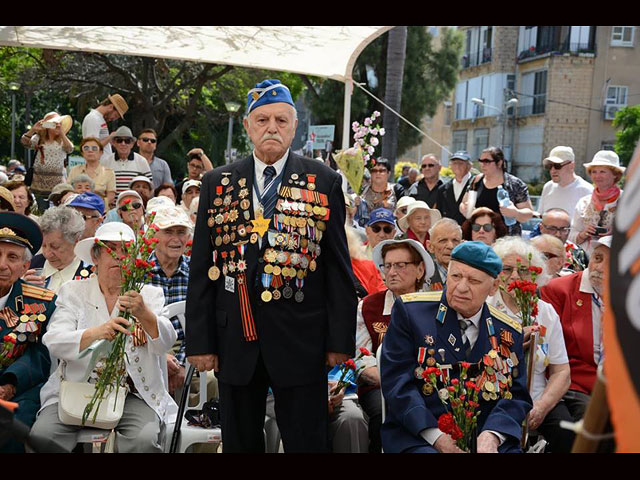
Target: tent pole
346,120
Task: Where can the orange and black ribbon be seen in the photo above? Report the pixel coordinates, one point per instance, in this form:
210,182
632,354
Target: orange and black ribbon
248,325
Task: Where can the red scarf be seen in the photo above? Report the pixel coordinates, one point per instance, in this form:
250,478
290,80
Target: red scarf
413,236
600,199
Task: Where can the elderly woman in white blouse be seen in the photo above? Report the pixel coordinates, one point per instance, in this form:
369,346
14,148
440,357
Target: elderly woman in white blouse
88,310
551,373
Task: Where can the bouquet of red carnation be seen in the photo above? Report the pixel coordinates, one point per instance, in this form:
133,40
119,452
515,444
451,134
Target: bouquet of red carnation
460,398
526,293
135,265
350,371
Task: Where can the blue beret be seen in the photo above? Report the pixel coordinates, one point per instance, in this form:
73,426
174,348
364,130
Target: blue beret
268,91
478,255
381,215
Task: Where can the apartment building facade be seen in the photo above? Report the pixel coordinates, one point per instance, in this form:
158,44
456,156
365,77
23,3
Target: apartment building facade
568,82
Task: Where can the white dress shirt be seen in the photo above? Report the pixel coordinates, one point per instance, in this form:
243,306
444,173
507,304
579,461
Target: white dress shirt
58,277
596,314
458,187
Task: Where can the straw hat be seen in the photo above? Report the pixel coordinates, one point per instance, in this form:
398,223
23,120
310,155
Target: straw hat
119,103
65,121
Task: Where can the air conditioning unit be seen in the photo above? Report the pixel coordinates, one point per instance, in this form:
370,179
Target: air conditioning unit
610,111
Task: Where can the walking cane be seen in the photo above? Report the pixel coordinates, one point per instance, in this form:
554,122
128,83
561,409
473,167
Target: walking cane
530,359
183,404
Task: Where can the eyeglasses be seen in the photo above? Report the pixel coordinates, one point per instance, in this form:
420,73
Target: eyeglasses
487,227
399,266
429,165
550,256
149,140
387,229
89,217
556,166
555,229
90,148
522,271
484,160
126,140
134,206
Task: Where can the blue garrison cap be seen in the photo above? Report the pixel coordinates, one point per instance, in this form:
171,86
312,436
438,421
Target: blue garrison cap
478,255
381,215
268,91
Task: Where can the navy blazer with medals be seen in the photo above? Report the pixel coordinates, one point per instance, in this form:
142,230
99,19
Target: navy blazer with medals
409,411
293,338
31,369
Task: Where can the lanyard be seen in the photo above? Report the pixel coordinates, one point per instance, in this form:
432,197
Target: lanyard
273,185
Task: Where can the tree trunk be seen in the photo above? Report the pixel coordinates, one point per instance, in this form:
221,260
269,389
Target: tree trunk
396,49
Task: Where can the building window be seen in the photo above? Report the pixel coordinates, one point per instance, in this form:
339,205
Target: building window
616,99
607,146
622,36
534,93
459,140
480,141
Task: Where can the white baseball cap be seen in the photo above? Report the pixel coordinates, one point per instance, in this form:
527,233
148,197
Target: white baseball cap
172,216
128,193
141,178
107,232
190,183
560,154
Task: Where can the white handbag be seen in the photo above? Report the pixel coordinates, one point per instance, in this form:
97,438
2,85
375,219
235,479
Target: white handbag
74,397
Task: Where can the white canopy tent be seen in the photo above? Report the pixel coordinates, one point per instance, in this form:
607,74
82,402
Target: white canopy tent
323,51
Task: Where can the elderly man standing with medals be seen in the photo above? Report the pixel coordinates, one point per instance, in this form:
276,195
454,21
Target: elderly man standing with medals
449,331
271,300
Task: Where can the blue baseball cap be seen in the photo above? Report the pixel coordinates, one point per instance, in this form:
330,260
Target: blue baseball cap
478,255
266,92
461,155
381,215
89,200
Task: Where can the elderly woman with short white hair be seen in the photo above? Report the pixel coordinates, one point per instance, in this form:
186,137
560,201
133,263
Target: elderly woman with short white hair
62,228
90,310
553,250
551,373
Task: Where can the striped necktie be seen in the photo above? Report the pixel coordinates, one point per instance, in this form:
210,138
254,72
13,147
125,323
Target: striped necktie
464,324
270,195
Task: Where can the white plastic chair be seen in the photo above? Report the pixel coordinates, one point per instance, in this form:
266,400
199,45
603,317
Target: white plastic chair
190,435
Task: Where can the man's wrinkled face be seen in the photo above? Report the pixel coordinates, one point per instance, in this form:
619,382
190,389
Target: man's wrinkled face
12,265
598,265
445,238
468,288
271,129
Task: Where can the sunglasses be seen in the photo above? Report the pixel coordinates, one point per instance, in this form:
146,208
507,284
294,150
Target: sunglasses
90,148
134,206
557,166
428,165
149,140
487,227
379,170
126,140
484,160
387,229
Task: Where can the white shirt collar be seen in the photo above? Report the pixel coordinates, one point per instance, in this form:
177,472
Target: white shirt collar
260,166
389,300
465,179
475,319
585,284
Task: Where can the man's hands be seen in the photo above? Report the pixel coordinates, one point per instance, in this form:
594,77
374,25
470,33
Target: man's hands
204,363
370,376
536,415
176,373
334,359
488,443
446,444
7,392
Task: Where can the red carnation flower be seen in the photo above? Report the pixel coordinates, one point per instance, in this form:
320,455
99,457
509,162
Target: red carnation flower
364,351
350,364
465,364
454,381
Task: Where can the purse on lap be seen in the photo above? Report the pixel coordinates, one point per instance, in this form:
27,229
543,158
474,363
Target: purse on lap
74,397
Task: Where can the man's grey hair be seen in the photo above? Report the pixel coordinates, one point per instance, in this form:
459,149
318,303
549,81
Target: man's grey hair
27,256
83,178
445,221
66,220
413,170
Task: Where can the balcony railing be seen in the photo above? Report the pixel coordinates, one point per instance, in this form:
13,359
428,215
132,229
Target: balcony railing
471,59
572,48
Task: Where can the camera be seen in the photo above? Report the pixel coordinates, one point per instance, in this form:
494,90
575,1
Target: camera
601,230
49,124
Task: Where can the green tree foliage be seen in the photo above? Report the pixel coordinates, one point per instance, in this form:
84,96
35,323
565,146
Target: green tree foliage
628,121
183,101
430,74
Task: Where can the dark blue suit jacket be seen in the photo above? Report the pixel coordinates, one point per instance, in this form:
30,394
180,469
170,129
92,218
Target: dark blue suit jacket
409,411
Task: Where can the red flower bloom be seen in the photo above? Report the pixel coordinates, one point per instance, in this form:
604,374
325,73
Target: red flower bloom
350,364
455,381
465,364
127,201
451,389
363,350
470,385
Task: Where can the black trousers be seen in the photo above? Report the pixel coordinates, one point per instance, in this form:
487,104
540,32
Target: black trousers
560,440
371,403
301,413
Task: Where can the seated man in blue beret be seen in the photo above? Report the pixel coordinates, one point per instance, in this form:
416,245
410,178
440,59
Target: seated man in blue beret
25,311
451,331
